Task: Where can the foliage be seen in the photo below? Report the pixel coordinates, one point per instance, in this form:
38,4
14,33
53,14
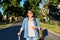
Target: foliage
11,7
52,6
32,4
1,16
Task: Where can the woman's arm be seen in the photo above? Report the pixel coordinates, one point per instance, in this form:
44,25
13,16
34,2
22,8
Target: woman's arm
21,29
38,25
23,24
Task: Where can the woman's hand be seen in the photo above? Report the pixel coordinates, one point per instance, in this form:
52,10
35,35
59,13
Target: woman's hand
18,33
35,27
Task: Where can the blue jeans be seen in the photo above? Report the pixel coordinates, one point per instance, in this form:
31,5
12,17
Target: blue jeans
31,38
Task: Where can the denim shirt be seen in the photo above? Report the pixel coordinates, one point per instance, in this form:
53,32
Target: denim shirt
25,27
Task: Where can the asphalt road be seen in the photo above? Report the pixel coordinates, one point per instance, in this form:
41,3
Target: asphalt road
10,33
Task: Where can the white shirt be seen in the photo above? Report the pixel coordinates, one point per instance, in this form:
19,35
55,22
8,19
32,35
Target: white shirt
31,32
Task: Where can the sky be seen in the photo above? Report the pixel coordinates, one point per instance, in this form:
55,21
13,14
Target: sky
1,10
22,2
40,5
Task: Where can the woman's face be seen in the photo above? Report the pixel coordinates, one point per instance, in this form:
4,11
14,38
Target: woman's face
30,14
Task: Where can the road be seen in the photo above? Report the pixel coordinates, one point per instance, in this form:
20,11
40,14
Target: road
10,33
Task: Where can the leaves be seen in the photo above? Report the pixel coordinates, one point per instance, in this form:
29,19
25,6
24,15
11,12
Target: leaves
11,7
32,4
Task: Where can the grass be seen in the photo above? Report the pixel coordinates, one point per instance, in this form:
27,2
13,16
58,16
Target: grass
53,28
4,25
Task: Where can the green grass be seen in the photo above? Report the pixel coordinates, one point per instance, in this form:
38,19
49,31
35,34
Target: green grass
3,25
53,28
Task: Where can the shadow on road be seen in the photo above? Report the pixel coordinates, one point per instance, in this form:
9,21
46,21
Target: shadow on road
10,33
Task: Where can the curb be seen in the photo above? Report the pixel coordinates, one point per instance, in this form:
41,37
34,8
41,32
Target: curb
54,33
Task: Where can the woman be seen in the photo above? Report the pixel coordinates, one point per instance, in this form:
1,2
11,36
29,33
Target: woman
30,25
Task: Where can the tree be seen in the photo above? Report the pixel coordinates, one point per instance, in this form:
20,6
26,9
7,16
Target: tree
1,17
11,8
32,4
53,11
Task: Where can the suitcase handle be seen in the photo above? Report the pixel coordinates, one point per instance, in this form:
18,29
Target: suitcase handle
18,37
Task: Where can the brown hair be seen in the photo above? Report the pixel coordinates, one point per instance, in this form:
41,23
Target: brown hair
34,16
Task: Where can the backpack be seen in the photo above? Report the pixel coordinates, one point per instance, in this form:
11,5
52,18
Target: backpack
40,34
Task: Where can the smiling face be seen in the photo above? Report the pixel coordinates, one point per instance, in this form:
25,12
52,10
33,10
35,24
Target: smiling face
30,14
